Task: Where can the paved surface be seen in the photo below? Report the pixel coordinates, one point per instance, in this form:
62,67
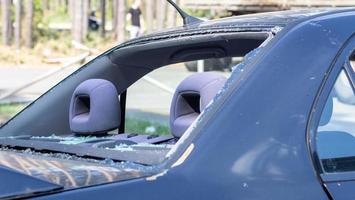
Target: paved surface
142,96
14,77
146,96
145,100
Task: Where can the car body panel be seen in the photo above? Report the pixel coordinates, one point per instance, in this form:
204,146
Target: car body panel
260,21
342,190
69,171
254,146
17,185
252,143
338,184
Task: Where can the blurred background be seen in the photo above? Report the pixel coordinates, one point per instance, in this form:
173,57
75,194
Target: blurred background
43,41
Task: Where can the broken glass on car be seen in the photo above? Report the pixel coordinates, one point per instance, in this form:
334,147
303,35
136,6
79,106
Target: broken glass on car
127,111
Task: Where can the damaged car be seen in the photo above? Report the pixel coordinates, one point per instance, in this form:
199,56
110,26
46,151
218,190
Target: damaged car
280,125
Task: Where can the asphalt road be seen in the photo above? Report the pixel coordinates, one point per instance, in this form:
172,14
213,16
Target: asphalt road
143,95
144,100
14,77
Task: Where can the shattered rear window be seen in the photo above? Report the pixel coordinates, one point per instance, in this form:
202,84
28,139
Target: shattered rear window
77,160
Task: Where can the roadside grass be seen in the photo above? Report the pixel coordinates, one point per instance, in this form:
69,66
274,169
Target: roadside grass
132,125
57,45
140,126
7,111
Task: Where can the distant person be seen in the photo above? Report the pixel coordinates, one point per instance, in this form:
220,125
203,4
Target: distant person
134,15
93,21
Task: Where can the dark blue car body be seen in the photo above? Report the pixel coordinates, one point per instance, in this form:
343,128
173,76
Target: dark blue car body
257,141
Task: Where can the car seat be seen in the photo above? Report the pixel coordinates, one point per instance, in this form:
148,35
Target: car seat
333,143
95,107
191,97
95,110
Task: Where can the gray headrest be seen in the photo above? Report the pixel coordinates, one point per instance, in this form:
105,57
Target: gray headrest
327,112
192,96
94,108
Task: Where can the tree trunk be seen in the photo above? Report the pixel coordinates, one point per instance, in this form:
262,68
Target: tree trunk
161,13
121,21
64,3
18,12
45,5
85,17
80,12
6,21
103,17
71,8
77,27
29,24
172,14
114,18
149,19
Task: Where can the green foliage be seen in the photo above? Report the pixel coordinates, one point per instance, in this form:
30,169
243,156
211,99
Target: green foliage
42,20
109,13
39,23
10,109
206,13
140,126
94,40
59,15
199,13
7,111
133,125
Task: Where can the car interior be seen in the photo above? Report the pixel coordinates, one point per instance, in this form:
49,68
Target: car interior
95,108
92,101
335,137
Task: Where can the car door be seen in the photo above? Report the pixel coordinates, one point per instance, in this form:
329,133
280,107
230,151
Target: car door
332,128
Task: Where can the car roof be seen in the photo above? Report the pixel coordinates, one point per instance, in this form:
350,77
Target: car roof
264,22
277,18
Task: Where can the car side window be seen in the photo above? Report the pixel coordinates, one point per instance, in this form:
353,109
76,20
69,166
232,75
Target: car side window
336,130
